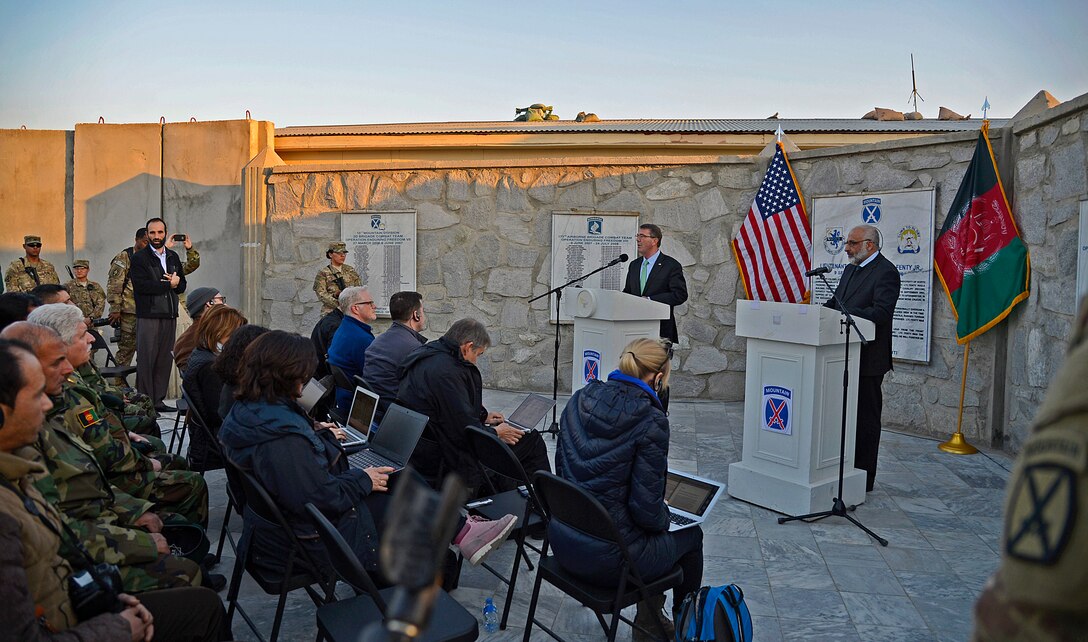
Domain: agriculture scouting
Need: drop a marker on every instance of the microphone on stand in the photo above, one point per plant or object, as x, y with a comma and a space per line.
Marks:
820, 270
622, 258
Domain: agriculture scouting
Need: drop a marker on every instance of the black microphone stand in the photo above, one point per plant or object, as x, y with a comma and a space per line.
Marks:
838, 506
558, 292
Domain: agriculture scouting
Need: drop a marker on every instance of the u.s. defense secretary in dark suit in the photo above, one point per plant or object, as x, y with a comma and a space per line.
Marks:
869, 288
662, 280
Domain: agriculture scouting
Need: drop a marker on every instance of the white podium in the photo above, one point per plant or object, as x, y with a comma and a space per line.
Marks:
793, 408
605, 321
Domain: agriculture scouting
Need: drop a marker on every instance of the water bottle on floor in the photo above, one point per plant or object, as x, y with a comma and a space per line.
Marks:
491, 616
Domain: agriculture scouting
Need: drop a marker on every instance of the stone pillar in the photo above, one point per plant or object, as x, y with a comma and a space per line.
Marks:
254, 215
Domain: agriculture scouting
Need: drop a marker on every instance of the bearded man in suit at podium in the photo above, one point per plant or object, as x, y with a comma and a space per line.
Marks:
657, 277
869, 288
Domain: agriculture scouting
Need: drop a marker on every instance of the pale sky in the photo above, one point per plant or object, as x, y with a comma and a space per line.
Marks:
329, 62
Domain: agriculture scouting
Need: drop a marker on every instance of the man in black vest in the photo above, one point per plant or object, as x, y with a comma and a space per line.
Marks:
157, 280
869, 289
657, 277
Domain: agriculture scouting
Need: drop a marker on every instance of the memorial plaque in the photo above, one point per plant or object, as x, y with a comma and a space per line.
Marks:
382, 248
583, 242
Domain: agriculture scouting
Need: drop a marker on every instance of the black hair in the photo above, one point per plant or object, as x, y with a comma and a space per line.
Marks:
11, 370
154, 219
403, 304
142, 232
15, 306
48, 291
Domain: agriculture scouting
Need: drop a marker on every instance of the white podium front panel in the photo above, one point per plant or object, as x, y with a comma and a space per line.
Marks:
605, 321
793, 408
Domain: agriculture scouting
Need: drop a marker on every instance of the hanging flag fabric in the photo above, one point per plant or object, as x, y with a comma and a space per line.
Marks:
980, 258
774, 243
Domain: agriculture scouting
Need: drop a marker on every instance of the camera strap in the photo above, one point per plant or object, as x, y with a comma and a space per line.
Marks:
72, 539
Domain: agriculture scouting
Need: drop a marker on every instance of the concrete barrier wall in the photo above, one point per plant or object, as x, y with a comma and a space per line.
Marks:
34, 173
86, 192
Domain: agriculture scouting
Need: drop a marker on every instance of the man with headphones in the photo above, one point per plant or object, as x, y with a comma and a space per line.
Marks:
387, 352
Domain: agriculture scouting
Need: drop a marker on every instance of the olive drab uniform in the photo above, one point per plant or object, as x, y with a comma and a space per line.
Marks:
102, 516
135, 409
330, 281
120, 295
181, 492
1040, 591
89, 296
24, 276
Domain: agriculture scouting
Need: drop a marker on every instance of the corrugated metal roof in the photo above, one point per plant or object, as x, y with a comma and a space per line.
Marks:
647, 126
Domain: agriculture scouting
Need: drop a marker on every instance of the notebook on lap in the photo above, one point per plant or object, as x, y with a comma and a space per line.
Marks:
690, 498
394, 440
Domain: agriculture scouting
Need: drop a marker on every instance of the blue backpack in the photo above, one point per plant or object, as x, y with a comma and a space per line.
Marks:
714, 613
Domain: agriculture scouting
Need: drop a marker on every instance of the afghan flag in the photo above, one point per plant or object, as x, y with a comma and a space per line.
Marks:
980, 258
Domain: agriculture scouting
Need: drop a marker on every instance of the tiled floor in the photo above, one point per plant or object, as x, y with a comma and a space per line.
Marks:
821, 581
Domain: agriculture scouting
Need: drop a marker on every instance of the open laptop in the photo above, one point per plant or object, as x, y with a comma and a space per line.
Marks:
360, 417
690, 498
312, 394
394, 440
532, 409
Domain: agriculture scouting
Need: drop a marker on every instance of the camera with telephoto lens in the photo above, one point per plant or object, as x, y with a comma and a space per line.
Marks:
94, 592
98, 323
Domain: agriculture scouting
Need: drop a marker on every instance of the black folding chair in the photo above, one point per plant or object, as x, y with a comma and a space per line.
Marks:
342, 621
110, 372
198, 422
492, 454
340, 379
274, 574
568, 504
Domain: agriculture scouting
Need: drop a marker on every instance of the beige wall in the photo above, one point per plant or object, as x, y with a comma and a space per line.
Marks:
33, 174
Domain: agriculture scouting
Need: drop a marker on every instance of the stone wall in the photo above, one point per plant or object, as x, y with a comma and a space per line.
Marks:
1051, 178
484, 233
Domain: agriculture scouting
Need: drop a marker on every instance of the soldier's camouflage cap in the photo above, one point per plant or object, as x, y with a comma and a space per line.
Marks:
30, 238
83, 263
337, 247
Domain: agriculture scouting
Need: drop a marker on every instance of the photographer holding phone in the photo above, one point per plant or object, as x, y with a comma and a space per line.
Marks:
157, 279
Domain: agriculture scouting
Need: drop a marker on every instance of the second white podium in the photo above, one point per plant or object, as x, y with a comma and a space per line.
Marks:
793, 408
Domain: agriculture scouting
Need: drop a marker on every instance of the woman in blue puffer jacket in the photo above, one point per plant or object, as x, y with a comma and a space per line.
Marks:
615, 444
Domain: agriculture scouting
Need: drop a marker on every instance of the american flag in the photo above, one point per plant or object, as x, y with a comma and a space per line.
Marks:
774, 242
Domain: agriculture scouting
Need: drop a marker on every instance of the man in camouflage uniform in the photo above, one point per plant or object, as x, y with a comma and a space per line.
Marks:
135, 410
115, 527
88, 295
177, 491
26, 273
120, 294
334, 278
1040, 591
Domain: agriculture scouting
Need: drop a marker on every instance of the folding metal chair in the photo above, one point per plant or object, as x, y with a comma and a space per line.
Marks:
566, 503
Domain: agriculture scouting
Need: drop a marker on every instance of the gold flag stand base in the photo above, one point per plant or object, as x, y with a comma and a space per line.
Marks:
957, 445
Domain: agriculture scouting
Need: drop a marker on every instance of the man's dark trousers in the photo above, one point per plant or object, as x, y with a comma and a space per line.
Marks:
867, 439
154, 341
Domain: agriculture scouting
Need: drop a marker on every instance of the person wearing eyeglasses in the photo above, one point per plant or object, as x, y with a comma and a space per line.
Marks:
657, 276
614, 444
348, 348
335, 277
28, 272
869, 289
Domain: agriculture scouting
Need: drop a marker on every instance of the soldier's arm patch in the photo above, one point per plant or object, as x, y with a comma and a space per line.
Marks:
1043, 504
88, 418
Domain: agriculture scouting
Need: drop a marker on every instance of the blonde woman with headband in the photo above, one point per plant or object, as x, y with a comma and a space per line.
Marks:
614, 443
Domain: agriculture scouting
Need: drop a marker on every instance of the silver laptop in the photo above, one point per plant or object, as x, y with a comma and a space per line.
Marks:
360, 417
312, 394
532, 409
394, 441
690, 498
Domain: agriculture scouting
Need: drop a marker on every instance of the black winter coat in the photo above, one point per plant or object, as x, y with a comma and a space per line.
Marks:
204, 389
438, 382
155, 299
614, 443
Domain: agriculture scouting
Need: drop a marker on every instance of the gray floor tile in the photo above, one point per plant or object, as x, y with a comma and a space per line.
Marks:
881, 610
808, 604
858, 579
839, 631
871, 633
